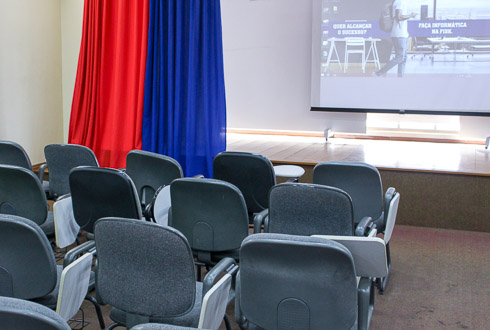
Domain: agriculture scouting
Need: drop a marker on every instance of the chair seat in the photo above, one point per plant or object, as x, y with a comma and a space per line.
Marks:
190, 319
48, 225
51, 298
380, 223
45, 185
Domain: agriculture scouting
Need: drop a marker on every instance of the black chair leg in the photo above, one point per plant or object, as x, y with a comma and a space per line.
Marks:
97, 310
227, 322
381, 282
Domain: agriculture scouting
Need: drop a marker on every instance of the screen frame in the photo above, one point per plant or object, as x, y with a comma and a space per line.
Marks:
413, 112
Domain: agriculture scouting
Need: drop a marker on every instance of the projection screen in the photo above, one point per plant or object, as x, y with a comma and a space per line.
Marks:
446, 47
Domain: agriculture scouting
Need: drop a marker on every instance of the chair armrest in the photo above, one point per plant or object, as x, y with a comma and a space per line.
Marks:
198, 176
226, 265
364, 226
259, 220
390, 193
74, 253
148, 212
63, 197
40, 174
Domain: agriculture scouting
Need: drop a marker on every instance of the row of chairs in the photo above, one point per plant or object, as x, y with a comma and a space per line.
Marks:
196, 199
285, 281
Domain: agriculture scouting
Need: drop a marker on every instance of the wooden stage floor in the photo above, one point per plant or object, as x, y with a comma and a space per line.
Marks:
450, 158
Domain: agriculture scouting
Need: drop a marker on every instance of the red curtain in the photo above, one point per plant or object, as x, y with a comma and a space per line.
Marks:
107, 108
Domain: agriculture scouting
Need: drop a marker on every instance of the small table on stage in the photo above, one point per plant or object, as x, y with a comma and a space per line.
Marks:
292, 172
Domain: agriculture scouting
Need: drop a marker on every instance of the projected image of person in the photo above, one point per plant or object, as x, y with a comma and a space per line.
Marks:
399, 36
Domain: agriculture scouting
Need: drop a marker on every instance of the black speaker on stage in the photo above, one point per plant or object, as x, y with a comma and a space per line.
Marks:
424, 12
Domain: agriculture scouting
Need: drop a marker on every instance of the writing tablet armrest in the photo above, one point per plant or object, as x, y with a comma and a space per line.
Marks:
74, 253
226, 265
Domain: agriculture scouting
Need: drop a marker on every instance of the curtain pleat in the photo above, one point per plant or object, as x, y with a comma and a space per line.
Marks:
107, 106
184, 106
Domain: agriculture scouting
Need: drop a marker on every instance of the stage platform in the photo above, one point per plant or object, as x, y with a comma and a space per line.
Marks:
467, 159
442, 185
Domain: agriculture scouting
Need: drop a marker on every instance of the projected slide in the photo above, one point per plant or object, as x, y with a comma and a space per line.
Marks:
424, 42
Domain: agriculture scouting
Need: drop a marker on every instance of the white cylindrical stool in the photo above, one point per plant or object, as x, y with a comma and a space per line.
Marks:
292, 172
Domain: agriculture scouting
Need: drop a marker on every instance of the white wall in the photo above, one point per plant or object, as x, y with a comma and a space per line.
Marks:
30, 74
71, 36
267, 58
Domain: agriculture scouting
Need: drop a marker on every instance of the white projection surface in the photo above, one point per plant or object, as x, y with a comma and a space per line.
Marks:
447, 67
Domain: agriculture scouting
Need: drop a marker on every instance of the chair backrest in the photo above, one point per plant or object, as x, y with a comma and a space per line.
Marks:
354, 42
73, 286
21, 194
211, 213
149, 171
12, 153
61, 159
144, 268
23, 314
361, 181
102, 192
26, 259
253, 174
296, 282
309, 209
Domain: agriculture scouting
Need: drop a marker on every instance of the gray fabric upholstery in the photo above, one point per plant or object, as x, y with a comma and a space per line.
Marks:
149, 171
296, 282
50, 300
190, 319
61, 159
21, 194
210, 213
144, 268
361, 181
26, 253
102, 192
12, 153
22, 314
252, 173
308, 209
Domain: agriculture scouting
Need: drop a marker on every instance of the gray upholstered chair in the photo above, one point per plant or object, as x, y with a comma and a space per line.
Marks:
28, 269
98, 192
21, 194
12, 153
61, 159
363, 183
151, 277
22, 314
299, 282
149, 171
211, 214
309, 209
252, 173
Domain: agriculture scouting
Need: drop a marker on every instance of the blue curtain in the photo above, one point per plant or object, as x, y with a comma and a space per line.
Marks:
184, 109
